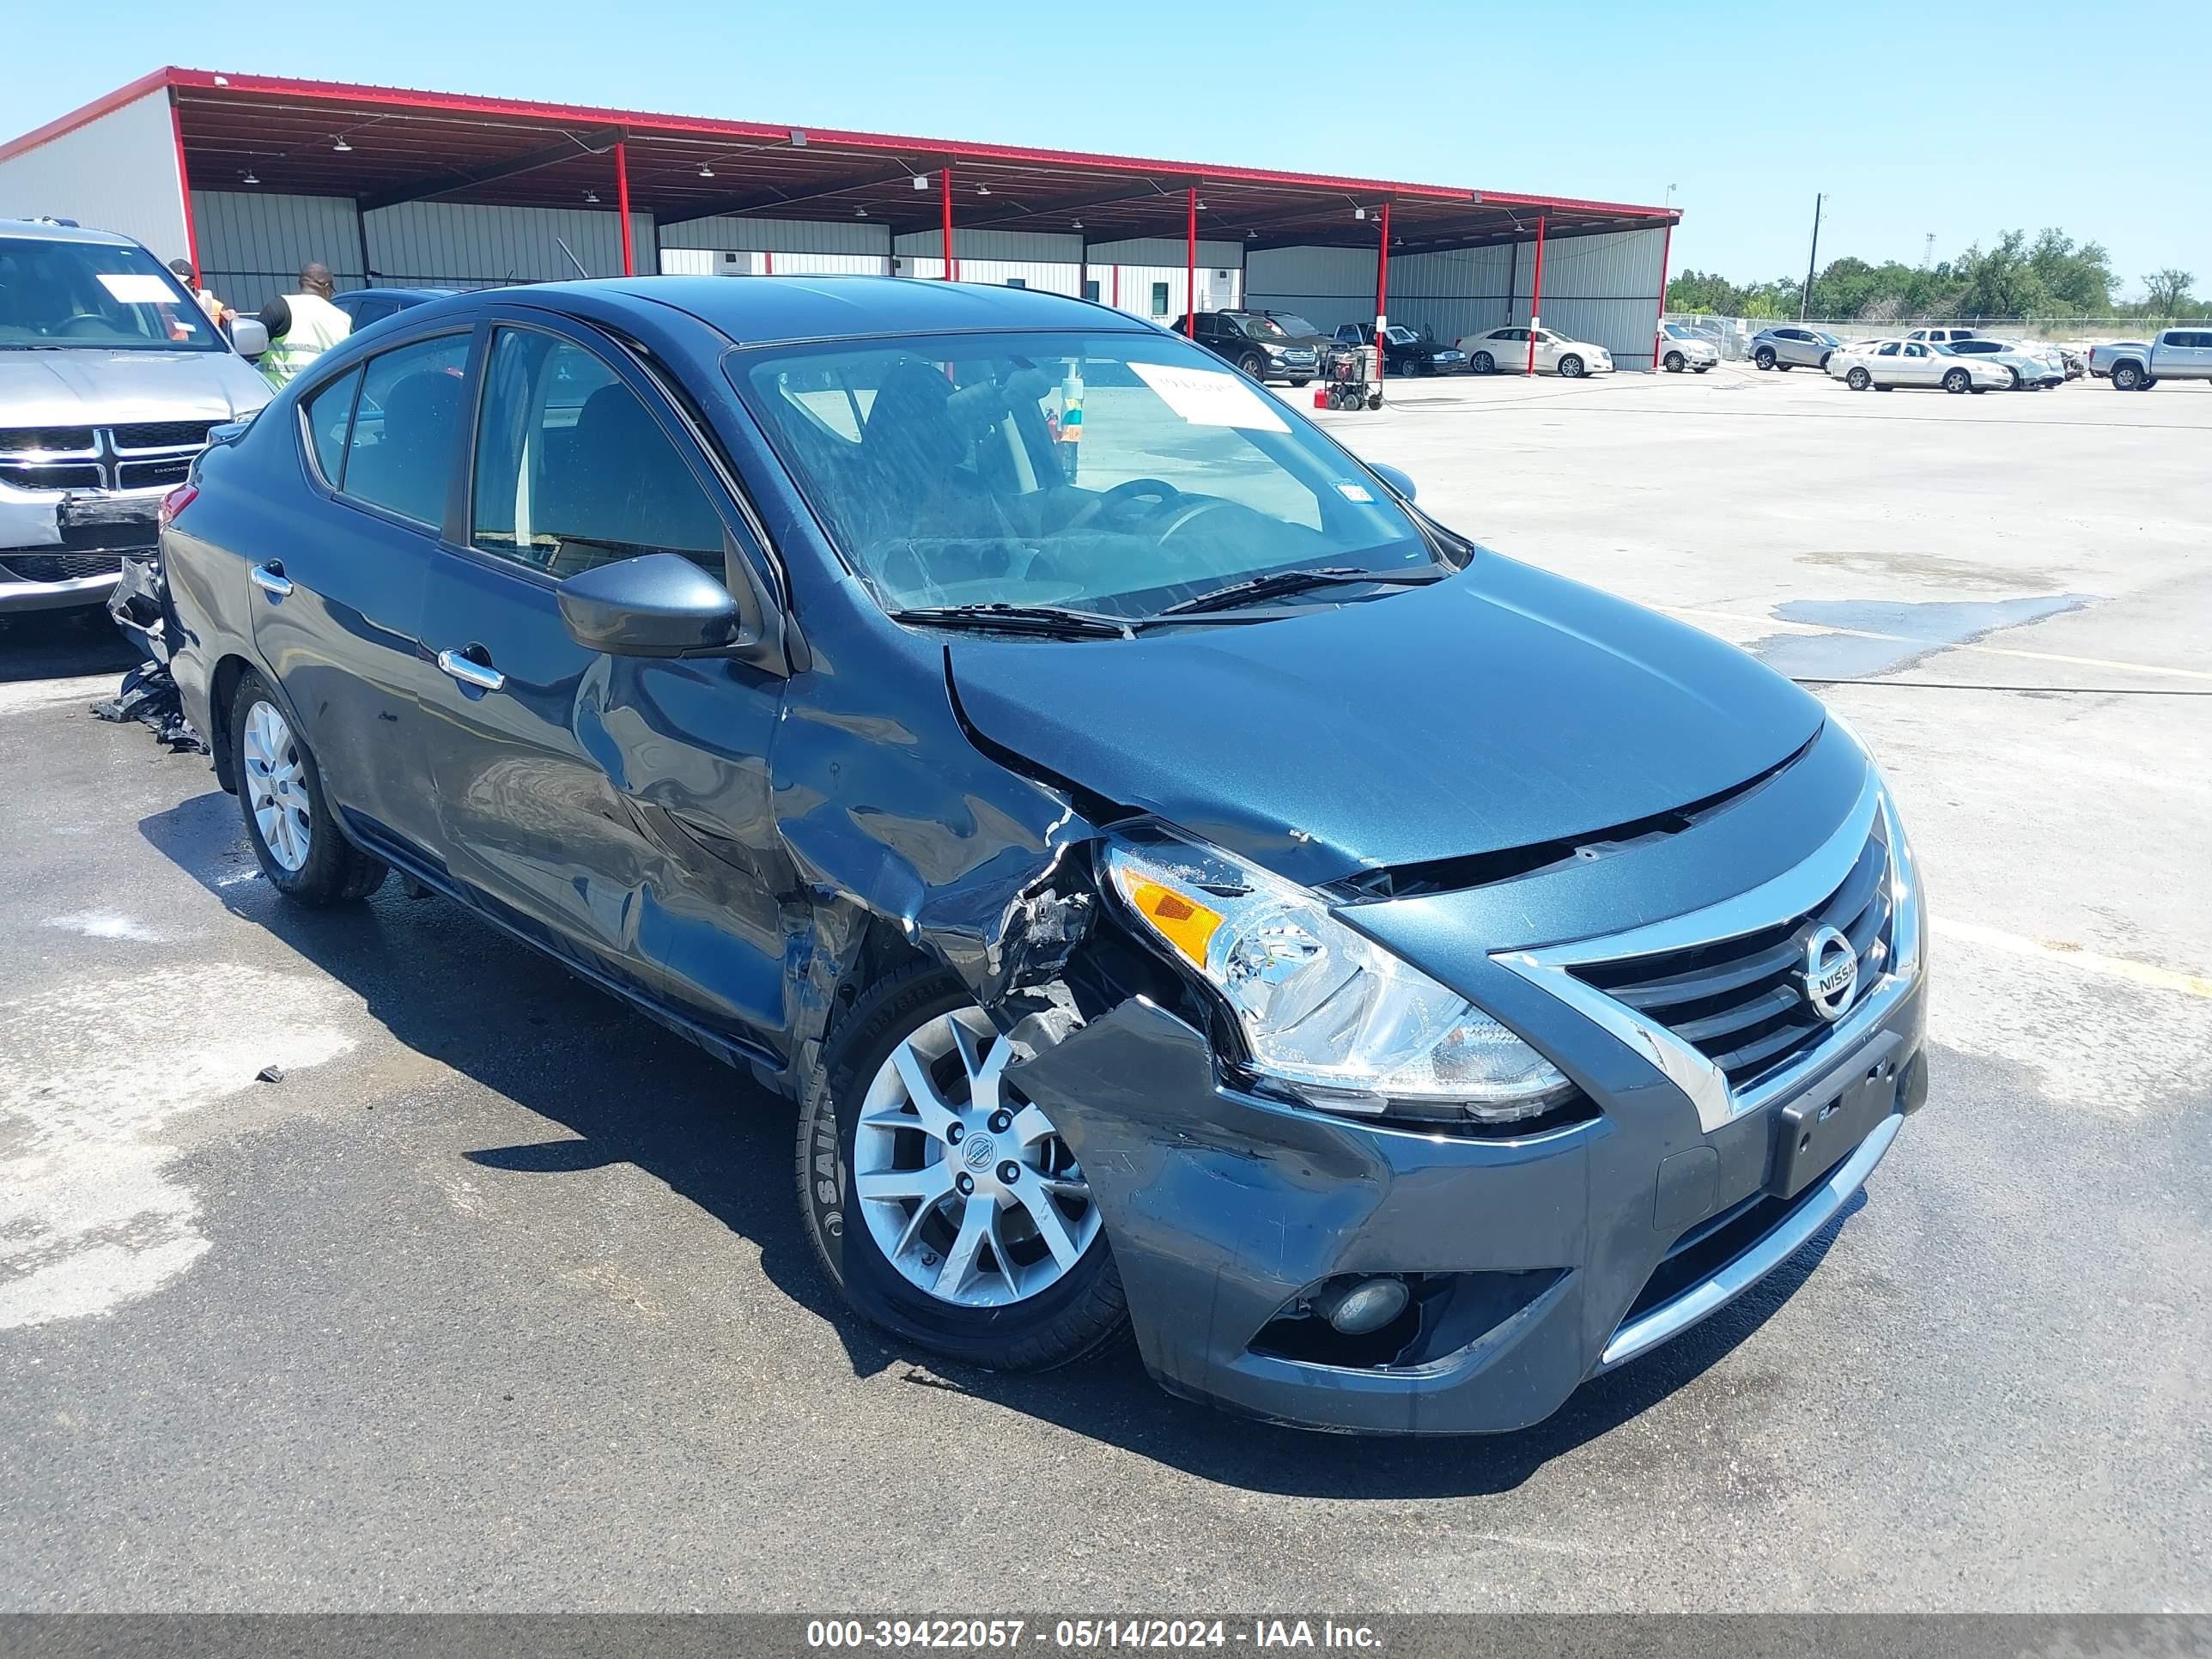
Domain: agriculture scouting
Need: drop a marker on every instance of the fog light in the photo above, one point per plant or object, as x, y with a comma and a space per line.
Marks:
1367, 1305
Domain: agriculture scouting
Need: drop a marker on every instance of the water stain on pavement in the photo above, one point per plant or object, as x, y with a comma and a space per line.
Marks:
1920, 631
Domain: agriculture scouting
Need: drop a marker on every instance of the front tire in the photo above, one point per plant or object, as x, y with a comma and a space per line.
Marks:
1484, 364
289, 820
1764, 356
1571, 367
1957, 380
1254, 365
1674, 364
1013, 1273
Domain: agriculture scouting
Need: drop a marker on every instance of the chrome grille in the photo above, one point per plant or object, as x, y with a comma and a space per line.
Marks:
59, 567
1738, 1001
147, 455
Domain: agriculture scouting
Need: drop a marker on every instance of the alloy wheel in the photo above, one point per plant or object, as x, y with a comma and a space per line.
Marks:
967, 1188
276, 786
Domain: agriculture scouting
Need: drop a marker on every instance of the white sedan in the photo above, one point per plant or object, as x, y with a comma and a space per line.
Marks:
1506, 349
1883, 364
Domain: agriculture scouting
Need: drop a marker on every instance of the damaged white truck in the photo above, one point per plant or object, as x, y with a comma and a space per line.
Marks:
1188, 891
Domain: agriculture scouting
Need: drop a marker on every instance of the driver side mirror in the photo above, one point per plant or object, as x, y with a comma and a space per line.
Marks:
658, 605
1398, 481
248, 337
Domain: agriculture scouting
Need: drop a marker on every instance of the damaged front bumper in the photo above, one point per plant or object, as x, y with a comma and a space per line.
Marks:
1537, 1262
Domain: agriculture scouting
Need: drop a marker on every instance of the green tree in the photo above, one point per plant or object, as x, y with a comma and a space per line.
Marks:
2168, 293
2077, 276
2000, 281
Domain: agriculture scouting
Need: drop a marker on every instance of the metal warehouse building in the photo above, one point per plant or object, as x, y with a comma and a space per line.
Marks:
250, 176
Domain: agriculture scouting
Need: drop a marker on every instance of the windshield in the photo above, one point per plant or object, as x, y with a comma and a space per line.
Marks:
1824, 339
1680, 331
1261, 328
1110, 472
94, 296
1292, 323
1400, 335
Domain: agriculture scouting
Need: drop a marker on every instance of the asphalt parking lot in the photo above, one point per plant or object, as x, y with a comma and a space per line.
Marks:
499, 1298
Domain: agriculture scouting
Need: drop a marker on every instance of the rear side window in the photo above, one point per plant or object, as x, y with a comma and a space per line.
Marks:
573, 471
414, 402
328, 414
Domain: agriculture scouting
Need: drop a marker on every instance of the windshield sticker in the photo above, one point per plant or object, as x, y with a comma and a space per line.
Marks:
131, 288
1352, 492
1204, 397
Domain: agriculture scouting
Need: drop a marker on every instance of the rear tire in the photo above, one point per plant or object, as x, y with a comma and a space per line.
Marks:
985, 1317
2126, 377
289, 824
1701, 368
1300, 379
1858, 379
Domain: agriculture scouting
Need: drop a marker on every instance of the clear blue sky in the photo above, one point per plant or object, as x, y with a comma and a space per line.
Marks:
1964, 119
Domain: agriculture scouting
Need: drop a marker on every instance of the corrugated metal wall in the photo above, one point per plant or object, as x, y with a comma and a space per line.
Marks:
252, 244
1132, 275
748, 234
1601, 288
460, 244
117, 173
1604, 290
1047, 261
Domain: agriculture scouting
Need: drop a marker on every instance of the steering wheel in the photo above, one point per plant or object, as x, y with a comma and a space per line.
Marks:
1196, 509
1121, 496
68, 325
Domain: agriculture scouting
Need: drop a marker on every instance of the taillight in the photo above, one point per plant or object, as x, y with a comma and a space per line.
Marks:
176, 501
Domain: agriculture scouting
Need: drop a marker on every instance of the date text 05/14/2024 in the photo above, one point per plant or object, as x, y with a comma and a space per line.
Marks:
1088, 1634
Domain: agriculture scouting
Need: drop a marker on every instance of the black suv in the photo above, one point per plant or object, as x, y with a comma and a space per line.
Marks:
1256, 344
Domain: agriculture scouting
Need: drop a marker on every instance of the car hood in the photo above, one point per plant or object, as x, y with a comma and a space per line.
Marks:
88, 387
1503, 708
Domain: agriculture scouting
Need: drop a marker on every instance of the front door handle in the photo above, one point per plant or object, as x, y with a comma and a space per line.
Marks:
270, 579
469, 671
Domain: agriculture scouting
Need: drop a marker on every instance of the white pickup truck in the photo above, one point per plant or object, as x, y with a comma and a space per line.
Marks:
2177, 354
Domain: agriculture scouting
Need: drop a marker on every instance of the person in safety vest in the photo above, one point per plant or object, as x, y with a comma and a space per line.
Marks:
218, 313
302, 326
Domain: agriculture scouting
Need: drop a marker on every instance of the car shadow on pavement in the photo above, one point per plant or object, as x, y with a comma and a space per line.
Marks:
453, 988
52, 645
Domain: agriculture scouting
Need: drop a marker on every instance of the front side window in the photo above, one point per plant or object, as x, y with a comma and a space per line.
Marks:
413, 404
573, 470
1115, 472
1916, 351
94, 296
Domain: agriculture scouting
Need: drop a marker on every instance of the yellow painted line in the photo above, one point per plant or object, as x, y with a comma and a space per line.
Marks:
2143, 973
1771, 623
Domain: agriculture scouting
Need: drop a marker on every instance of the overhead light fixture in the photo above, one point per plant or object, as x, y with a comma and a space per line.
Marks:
982, 190
1359, 213
340, 145
1077, 224
860, 213
706, 172
248, 178
1251, 235
590, 196
1201, 204
922, 181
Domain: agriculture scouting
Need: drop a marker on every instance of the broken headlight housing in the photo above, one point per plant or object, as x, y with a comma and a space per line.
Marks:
1325, 1011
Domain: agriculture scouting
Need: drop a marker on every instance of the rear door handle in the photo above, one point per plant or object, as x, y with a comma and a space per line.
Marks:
469, 671
270, 579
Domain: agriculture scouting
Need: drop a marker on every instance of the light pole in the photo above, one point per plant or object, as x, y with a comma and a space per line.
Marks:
1805, 299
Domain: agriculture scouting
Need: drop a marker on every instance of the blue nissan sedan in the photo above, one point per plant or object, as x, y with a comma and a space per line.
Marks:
1186, 891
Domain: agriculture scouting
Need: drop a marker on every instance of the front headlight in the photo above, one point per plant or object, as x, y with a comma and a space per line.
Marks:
1344, 1023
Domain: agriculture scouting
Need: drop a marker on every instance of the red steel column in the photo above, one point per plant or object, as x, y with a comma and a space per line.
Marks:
1381, 297
951, 264
621, 204
185, 194
1666, 251
1536, 295
1190, 269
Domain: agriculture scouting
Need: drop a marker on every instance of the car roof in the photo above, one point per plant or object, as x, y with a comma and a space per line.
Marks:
775, 310
415, 294
46, 230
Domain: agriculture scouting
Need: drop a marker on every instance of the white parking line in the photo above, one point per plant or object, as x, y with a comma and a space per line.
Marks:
1772, 623
2089, 961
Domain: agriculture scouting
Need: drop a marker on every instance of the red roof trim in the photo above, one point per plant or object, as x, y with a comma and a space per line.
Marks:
90, 112
643, 121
